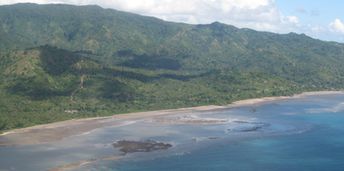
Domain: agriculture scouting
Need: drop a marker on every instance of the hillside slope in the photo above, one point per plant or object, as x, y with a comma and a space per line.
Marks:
61, 61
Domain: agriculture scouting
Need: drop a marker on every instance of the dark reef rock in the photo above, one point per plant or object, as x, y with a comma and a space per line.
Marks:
127, 146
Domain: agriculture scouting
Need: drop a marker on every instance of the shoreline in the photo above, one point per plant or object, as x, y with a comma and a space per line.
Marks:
59, 130
256, 101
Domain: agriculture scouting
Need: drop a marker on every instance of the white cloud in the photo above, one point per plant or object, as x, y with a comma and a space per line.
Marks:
293, 19
261, 15
256, 14
317, 29
337, 26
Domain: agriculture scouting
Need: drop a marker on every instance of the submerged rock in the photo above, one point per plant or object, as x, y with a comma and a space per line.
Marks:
245, 126
127, 146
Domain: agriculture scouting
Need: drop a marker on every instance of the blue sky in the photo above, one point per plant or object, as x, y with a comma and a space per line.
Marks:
320, 19
317, 14
314, 11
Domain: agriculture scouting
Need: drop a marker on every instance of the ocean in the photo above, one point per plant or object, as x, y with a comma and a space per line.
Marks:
293, 134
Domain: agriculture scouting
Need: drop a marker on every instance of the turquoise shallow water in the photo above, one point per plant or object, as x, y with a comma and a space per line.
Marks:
322, 148
302, 134
319, 145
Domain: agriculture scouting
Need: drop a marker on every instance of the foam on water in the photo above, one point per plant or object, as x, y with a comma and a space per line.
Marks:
280, 135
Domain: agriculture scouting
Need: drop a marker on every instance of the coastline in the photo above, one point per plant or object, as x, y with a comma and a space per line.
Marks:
256, 101
59, 130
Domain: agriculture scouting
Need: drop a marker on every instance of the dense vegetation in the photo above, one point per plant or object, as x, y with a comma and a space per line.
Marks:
59, 62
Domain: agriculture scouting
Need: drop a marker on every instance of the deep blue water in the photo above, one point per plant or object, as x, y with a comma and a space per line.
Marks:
318, 146
303, 134
322, 148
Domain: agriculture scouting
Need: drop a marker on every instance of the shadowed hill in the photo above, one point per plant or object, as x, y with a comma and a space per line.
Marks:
61, 61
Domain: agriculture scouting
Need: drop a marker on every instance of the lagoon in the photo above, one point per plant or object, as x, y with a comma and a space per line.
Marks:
303, 133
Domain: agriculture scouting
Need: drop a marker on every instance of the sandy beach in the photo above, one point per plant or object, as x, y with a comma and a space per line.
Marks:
59, 130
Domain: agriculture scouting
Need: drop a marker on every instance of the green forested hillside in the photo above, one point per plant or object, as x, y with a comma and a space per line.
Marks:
60, 61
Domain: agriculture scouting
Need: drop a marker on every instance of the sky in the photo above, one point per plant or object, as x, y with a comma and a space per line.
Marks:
321, 19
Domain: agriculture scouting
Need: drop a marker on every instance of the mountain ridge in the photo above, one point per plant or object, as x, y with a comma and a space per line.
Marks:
58, 58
